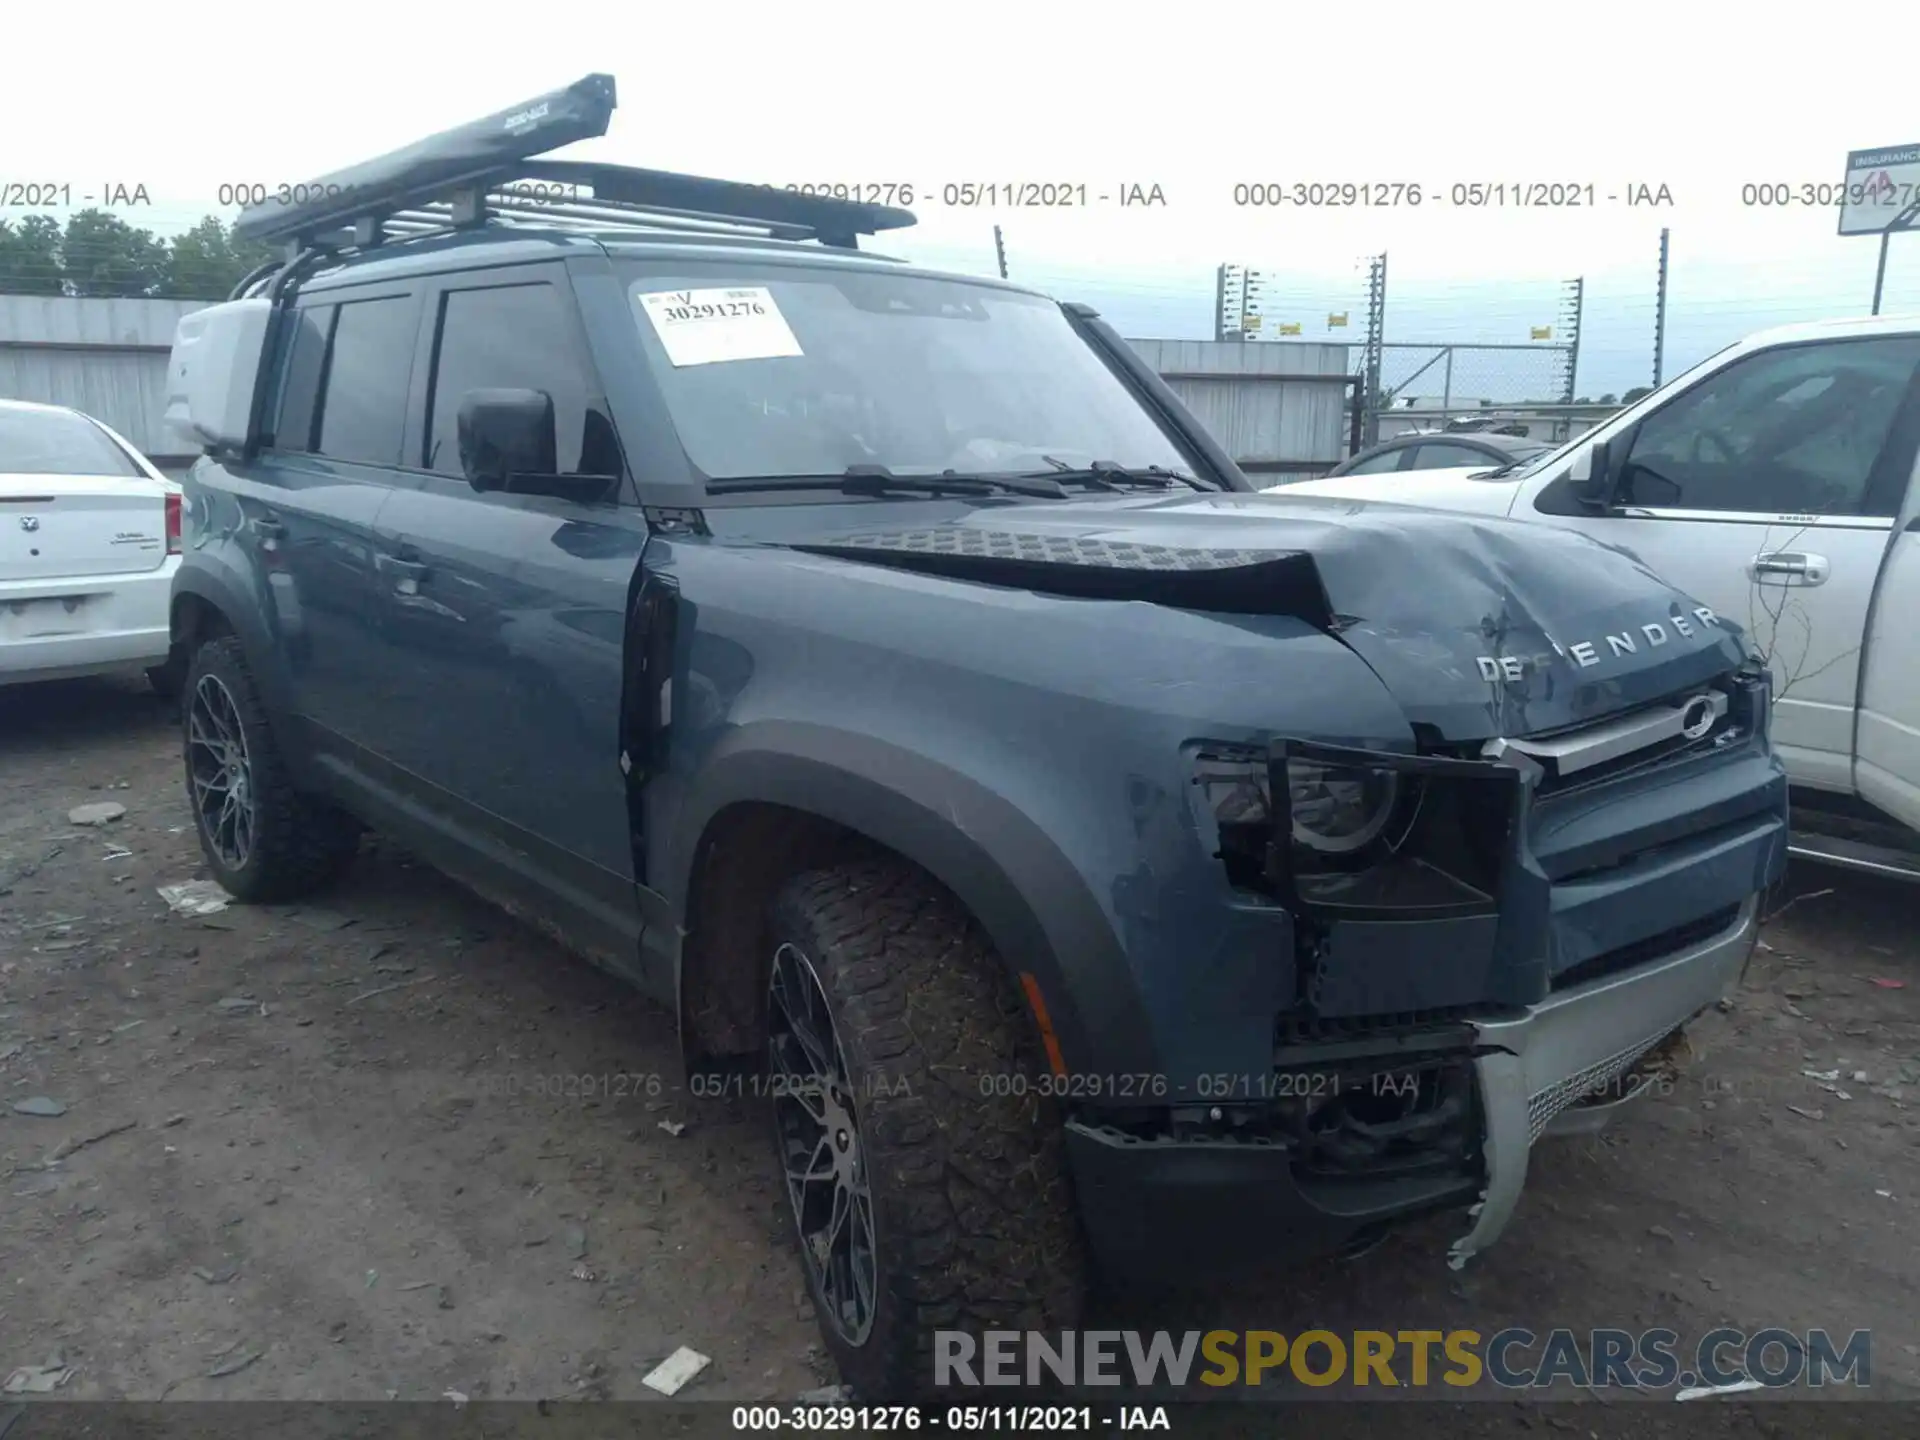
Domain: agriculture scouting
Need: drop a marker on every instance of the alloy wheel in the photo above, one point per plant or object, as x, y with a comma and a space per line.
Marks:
221, 772
820, 1145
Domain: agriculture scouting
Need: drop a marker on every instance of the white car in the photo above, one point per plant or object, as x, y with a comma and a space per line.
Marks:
1778, 482
89, 541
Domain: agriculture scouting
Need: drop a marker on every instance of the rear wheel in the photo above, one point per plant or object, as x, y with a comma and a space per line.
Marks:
925, 1196
262, 839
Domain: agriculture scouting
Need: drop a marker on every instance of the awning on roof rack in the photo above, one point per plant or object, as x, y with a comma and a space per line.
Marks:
453, 178
437, 165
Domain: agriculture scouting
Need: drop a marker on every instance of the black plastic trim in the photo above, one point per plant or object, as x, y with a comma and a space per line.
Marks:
1158, 397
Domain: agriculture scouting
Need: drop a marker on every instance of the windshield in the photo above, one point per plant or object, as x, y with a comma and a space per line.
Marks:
789, 370
58, 442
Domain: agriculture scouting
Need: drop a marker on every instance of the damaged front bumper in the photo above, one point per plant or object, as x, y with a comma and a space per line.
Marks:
1530, 937
1532, 1069
1173, 1205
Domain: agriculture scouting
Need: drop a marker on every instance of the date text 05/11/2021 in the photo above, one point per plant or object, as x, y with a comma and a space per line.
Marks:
986, 194
1459, 195
962, 1419
1265, 193
1143, 1086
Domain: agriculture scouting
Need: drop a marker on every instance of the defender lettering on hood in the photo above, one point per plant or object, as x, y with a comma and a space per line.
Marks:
1585, 653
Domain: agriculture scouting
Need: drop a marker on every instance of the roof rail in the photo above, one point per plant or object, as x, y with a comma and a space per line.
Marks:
486, 169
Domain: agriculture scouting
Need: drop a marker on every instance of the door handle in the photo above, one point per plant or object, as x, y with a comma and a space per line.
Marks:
265, 527
1789, 567
405, 571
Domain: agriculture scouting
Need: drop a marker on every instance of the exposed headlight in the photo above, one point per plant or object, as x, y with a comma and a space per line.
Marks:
1362, 831
1338, 809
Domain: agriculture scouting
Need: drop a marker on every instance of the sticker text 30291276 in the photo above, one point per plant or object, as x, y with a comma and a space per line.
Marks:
712, 326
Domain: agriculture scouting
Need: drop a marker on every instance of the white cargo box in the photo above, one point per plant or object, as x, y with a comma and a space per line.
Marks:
212, 372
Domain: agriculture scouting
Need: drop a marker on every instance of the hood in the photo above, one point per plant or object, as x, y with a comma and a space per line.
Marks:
1479, 627
1450, 489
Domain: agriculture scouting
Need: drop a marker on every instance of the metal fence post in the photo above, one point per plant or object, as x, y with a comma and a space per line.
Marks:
1376, 334
1660, 313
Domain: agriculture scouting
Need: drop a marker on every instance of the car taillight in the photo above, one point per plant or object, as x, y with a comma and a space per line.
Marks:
173, 524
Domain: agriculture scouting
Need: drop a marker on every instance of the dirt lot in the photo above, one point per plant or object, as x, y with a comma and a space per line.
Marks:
334, 1159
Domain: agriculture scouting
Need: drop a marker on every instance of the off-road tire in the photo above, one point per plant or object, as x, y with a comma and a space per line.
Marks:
299, 843
974, 1222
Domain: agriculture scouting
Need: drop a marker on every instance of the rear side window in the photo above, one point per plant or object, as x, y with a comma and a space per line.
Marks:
516, 337
1438, 457
1389, 460
306, 364
57, 442
363, 404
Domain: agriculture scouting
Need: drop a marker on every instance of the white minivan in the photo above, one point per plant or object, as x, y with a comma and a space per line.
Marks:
1775, 481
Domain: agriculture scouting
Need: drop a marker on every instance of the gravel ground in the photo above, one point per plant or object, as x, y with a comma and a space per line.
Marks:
393, 1144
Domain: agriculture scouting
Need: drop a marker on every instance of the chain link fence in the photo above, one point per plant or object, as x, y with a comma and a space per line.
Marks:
1517, 389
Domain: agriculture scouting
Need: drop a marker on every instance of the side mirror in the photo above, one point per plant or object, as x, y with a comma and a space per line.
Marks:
504, 433
1592, 476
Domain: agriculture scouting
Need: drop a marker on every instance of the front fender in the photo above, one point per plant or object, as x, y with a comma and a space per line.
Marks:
1029, 751
1026, 894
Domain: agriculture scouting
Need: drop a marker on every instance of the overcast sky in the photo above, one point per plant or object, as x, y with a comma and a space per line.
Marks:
1193, 98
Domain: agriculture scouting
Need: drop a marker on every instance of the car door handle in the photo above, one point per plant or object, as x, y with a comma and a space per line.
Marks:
1790, 567
265, 527
405, 571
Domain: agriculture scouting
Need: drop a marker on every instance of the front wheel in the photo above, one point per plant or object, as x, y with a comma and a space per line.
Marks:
924, 1197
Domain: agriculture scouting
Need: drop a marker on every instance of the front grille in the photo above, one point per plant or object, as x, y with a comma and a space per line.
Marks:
1675, 750
1729, 730
1303, 1027
1629, 957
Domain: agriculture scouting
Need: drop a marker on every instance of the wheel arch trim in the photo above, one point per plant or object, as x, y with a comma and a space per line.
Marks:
1033, 904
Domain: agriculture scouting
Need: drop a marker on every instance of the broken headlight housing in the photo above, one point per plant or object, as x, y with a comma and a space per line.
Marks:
1363, 832
1339, 809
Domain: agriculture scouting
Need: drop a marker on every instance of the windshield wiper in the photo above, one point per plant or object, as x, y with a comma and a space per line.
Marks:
1500, 472
879, 480
1105, 475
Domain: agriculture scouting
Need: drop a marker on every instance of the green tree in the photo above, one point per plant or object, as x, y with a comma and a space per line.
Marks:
206, 262
1609, 399
30, 256
101, 254
1636, 393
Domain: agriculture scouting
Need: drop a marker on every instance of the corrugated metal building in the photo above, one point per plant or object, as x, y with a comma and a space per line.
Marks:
106, 357
1279, 408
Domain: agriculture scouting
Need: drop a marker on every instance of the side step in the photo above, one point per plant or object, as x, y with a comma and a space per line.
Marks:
1855, 855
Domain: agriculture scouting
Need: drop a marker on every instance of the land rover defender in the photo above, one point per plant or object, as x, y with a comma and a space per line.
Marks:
1084, 854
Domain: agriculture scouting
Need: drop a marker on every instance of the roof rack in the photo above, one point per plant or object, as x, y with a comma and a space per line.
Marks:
486, 171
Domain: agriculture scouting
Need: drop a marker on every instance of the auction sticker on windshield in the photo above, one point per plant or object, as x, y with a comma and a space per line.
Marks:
700, 327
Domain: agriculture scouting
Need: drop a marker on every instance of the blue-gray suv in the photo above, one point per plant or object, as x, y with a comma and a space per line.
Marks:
1086, 856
